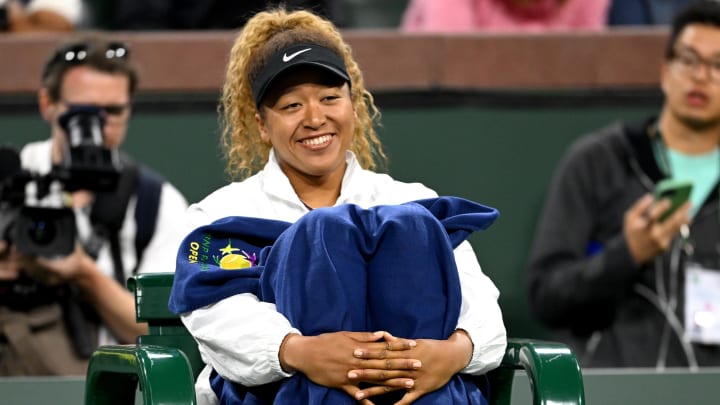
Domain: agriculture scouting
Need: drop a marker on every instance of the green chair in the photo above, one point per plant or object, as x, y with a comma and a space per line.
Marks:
164, 363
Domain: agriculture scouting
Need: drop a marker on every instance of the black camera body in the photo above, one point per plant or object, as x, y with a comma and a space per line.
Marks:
87, 164
33, 215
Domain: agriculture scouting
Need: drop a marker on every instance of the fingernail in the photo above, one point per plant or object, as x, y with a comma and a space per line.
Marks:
413, 343
358, 352
352, 374
378, 333
360, 395
417, 364
409, 384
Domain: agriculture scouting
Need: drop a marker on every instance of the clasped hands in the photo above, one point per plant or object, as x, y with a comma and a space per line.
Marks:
344, 360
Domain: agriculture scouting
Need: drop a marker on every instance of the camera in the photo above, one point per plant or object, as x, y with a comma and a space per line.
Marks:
33, 214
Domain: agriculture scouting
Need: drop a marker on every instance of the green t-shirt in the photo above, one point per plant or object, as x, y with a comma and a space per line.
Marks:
703, 170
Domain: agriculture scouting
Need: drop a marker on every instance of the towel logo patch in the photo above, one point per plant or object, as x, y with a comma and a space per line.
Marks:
226, 260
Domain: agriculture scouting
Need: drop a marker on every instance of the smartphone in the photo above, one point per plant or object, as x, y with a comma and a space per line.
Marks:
677, 191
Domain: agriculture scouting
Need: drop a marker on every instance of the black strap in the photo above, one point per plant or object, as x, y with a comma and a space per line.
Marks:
116, 254
80, 319
149, 188
108, 214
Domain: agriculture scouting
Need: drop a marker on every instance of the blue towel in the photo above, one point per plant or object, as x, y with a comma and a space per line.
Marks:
388, 268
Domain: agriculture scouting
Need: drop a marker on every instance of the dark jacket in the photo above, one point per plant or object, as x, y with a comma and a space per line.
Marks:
198, 15
581, 278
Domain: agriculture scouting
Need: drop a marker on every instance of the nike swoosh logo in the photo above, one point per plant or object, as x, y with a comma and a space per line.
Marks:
288, 58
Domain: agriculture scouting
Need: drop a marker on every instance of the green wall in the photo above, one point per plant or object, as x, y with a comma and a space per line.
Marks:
503, 157
499, 155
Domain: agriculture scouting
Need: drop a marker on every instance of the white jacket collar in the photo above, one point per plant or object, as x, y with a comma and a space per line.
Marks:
275, 182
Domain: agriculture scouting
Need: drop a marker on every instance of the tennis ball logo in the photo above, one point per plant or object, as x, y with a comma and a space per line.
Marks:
234, 262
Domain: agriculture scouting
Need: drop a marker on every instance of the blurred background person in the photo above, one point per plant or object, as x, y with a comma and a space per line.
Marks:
55, 308
198, 15
504, 15
644, 12
623, 284
40, 15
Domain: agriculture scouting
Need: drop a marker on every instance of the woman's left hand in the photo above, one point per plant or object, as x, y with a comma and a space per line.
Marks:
440, 359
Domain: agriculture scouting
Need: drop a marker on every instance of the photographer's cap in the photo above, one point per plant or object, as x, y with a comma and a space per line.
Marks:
297, 55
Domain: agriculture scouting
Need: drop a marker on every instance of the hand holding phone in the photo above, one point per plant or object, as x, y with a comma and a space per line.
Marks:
677, 191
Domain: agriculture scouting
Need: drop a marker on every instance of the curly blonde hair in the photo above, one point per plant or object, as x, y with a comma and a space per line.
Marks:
263, 35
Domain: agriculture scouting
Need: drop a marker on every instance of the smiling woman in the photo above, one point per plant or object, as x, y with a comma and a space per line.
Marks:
299, 122
308, 118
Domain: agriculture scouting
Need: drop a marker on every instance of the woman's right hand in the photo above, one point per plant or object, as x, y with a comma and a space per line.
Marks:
327, 359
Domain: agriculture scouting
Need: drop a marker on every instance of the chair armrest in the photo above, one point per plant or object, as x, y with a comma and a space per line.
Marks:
552, 369
164, 375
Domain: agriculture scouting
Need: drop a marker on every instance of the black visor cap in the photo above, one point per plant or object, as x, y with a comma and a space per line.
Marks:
297, 55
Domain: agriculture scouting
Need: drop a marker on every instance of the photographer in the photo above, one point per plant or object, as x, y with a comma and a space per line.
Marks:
55, 310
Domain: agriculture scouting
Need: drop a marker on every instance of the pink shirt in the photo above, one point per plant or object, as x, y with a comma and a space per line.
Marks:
495, 16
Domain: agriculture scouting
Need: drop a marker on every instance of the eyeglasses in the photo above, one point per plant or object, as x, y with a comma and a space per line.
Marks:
687, 61
76, 54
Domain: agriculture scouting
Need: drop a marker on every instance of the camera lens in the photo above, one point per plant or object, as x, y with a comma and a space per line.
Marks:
47, 232
41, 231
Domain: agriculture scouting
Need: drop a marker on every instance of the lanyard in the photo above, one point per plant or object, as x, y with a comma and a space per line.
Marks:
661, 155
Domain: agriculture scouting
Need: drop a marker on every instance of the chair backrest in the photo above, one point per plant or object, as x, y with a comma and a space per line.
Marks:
152, 293
552, 368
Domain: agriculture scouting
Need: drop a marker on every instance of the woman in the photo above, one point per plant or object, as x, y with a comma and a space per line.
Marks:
295, 106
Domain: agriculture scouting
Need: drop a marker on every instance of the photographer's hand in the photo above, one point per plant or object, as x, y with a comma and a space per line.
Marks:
59, 270
111, 300
9, 262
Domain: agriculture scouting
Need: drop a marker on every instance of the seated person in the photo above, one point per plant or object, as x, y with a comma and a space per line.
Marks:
41, 15
200, 15
300, 122
504, 15
644, 12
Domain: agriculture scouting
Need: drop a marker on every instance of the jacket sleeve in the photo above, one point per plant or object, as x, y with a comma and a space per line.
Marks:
568, 284
480, 314
239, 336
